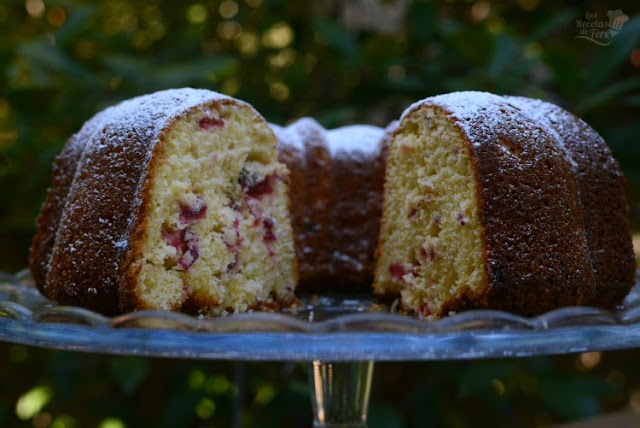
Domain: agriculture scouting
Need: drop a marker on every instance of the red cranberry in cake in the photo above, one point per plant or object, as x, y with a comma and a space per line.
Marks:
268, 224
193, 211
207, 123
257, 187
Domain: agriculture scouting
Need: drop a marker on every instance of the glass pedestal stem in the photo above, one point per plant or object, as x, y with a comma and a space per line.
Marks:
340, 393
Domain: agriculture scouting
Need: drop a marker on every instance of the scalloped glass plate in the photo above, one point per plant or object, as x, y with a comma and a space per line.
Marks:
329, 328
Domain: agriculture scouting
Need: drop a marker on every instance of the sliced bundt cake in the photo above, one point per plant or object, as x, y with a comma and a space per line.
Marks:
484, 207
174, 200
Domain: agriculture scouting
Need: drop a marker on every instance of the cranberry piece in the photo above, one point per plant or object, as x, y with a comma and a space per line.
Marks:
461, 218
397, 271
192, 212
413, 211
186, 246
268, 224
190, 255
175, 238
234, 247
256, 189
207, 123
424, 310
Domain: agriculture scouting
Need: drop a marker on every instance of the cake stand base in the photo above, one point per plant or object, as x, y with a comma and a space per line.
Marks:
340, 393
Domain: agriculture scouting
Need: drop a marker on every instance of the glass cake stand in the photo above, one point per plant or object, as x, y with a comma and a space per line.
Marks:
339, 336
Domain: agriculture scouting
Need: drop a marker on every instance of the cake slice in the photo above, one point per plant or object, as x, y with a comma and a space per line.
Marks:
173, 200
482, 209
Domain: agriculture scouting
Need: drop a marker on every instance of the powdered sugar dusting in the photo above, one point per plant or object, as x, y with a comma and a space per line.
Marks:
355, 139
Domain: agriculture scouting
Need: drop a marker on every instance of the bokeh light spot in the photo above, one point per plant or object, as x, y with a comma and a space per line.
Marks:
56, 17
267, 392
480, 10
248, 43
112, 423
396, 72
282, 59
228, 9
35, 8
590, 359
196, 379
498, 386
219, 384
196, 13
205, 408
278, 36
63, 421
229, 30
279, 91
31, 402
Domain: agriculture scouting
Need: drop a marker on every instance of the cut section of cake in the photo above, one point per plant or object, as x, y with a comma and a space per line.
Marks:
173, 200
336, 201
482, 209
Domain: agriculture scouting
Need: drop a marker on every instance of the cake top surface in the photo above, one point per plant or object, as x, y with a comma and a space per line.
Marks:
354, 138
349, 140
476, 112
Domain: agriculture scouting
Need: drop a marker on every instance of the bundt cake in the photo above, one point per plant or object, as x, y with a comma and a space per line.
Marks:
503, 203
188, 200
174, 200
336, 197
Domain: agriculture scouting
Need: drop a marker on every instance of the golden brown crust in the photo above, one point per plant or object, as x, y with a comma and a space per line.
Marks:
603, 201
62, 173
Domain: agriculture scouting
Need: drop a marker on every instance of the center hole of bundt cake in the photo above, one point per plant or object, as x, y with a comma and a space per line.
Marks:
430, 233
220, 203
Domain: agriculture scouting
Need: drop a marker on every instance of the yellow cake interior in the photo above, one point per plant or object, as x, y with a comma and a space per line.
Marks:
218, 235
431, 250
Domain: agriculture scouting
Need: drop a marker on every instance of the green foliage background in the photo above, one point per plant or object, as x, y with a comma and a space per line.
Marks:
63, 60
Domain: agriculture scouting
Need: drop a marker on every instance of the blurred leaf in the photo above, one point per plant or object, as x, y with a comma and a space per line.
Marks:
422, 20
565, 69
129, 372
384, 416
337, 37
574, 398
472, 44
608, 93
78, 18
608, 58
555, 23
504, 53
44, 60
